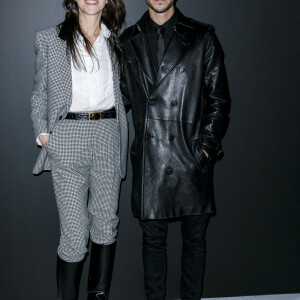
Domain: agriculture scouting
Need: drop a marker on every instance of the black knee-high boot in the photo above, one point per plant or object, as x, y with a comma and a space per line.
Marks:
100, 273
68, 279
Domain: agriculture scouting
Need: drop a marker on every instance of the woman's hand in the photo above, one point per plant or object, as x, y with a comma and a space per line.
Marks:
44, 139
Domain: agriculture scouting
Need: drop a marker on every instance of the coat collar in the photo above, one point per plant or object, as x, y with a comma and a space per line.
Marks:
176, 50
182, 23
61, 30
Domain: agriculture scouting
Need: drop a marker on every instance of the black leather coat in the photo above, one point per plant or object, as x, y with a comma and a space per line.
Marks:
177, 111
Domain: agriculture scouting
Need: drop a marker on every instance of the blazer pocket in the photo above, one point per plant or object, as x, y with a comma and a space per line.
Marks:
49, 141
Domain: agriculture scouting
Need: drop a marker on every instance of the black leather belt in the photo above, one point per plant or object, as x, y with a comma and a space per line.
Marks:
94, 115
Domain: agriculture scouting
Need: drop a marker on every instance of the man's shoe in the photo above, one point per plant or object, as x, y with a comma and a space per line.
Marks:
97, 296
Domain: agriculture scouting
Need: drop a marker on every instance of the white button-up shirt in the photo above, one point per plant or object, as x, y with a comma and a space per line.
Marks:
93, 88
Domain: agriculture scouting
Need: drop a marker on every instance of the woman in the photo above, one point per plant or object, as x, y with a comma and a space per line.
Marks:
80, 121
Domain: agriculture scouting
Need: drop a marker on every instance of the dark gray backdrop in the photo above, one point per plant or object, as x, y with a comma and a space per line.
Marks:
253, 242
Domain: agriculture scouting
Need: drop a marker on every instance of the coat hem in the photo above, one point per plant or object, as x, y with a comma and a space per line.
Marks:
174, 216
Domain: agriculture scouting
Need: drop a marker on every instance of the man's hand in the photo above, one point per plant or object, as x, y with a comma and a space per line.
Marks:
44, 139
205, 153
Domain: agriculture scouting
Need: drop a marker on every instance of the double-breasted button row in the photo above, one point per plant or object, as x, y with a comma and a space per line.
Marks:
150, 136
153, 101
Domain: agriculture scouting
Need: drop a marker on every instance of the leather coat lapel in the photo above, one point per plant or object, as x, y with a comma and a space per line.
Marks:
177, 48
139, 44
141, 50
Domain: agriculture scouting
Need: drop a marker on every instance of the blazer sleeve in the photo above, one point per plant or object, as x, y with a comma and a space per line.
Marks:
38, 98
216, 96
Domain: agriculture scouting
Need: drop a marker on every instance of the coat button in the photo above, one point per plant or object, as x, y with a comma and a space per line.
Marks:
171, 138
174, 103
182, 69
149, 136
60, 118
170, 171
152, 101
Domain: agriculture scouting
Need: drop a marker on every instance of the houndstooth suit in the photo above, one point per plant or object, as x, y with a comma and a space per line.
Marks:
87, 159
51, 97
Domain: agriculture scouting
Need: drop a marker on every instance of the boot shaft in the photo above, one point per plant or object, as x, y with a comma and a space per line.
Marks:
68, 279
101, 269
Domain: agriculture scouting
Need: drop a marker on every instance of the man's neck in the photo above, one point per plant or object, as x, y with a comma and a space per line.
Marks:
161, 18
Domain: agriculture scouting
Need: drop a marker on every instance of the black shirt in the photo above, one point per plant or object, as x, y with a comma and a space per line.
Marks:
151, 31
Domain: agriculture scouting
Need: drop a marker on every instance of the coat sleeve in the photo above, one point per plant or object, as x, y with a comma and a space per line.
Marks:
216, 96
38, 99
124, 90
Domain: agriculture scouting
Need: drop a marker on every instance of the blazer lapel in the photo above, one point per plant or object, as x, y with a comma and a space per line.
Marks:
64, 65
116, 76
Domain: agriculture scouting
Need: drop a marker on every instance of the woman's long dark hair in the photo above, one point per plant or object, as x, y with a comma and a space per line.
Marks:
113, 16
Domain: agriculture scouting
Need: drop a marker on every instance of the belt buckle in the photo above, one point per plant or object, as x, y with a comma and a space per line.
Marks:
95, 112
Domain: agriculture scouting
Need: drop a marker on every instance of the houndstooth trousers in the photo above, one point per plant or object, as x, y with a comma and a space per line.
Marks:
84, 159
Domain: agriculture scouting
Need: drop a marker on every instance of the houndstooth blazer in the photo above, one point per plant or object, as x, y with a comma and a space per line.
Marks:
51, 97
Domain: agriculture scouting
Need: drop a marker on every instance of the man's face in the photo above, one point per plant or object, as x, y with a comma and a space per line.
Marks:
160, 6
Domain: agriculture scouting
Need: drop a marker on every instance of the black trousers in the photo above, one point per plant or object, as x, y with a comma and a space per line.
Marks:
193, 229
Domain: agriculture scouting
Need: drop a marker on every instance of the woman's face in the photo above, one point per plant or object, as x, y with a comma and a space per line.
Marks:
91, 7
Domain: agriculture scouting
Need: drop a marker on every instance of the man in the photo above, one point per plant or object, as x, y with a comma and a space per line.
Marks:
175, 83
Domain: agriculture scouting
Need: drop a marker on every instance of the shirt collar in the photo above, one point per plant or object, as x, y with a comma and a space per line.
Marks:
105, 32
169, 25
